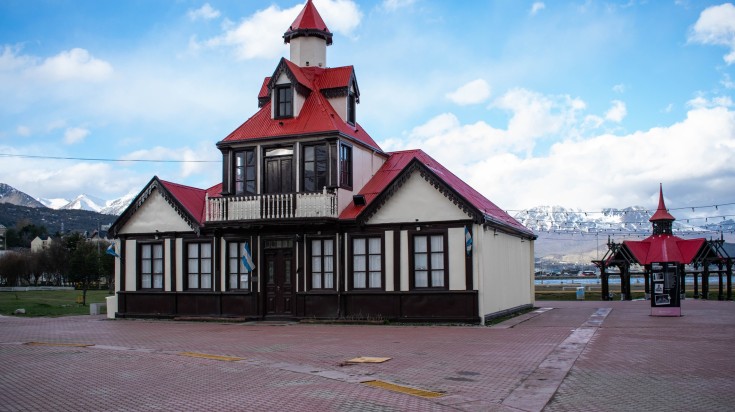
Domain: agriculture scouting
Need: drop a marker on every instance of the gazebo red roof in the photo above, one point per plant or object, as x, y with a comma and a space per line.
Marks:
664, 248
661, 212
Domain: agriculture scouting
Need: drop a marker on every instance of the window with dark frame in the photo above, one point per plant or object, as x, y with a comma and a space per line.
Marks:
316, 167
284, 101
245, 167
345, 166
367, 262
151, 266
237, 277
429, 261
351, 108
199, 265
322, 264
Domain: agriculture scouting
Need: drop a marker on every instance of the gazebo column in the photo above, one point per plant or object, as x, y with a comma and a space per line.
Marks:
695, 275
605, 290
720, 295
646, 275
683, 280
705, 281
627, 293
728, 265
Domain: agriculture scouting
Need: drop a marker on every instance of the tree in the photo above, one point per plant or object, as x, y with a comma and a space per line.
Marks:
15, 268
84, 264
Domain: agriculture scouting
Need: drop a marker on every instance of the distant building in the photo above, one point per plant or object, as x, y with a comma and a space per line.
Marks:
39, 244
3, 244
312, 219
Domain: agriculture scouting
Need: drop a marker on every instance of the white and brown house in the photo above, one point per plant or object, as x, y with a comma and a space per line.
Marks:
334, 226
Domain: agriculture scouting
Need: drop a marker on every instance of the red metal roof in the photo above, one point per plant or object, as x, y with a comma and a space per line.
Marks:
661, 212
264, 88
398, 161
309, 19
316, 116
664, 248
191, 198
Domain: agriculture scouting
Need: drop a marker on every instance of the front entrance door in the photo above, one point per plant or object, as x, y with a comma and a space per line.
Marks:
279, 174
279, 281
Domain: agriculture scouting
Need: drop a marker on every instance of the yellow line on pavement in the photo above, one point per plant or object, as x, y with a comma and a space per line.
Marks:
208, 356
403, 389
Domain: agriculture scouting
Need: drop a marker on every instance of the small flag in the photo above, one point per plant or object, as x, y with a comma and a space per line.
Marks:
467, 240
247, 258
111, 250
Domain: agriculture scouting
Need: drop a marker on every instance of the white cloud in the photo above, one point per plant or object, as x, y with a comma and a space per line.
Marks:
206, 12
596, 171
24, 131
74, 135
619, 88
700, 102
617, 112
727, 82
260, 35
716, 25
537, 7
74, 64
476, 91
393, 5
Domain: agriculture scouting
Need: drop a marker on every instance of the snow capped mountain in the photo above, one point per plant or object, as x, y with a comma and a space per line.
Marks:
55, 203
117, 206
559, 219
9, 194
84, 202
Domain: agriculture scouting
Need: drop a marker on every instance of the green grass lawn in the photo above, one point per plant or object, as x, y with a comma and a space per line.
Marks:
49, 302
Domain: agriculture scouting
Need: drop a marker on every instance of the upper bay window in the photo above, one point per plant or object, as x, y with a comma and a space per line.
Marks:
284, 101
316, 168
151, 266
345, 166
351, 108
244, 176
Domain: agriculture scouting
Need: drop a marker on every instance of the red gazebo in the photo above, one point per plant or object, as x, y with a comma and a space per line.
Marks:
663, 246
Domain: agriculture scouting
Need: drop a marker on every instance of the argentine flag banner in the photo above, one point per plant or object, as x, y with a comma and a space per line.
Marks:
467, 240
247, 258
111, 250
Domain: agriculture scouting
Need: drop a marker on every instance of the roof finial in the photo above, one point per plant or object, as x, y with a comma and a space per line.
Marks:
661, 212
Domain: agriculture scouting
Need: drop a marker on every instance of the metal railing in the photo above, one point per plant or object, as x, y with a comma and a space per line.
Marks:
271, 206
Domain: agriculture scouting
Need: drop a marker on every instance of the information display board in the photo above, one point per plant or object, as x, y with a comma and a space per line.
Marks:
665, 289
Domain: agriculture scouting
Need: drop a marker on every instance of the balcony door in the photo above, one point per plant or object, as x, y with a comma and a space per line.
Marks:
279, 171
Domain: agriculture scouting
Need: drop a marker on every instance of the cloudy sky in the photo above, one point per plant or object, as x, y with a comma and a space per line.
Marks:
585, 104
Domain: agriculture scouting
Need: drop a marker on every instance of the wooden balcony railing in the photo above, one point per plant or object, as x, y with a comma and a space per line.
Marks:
271, 206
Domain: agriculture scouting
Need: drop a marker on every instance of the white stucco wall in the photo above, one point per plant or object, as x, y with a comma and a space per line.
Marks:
131, 257
457, 254
506, 271
179, 264
309, 49
389, 262
417, 201
155, 215
364, 165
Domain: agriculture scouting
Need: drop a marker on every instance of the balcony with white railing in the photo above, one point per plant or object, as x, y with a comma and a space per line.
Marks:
271, 206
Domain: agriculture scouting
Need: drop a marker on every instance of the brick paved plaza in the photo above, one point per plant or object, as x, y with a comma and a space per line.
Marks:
570, 356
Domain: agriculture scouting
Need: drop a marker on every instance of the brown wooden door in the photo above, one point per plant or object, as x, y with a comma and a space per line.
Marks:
279, 282
279, 174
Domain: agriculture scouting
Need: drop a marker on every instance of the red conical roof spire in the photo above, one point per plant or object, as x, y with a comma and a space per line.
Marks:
661, 212
308, 23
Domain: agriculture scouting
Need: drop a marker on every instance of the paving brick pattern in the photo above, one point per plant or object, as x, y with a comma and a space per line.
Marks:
632, 361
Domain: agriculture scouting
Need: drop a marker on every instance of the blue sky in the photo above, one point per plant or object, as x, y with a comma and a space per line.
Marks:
585, 104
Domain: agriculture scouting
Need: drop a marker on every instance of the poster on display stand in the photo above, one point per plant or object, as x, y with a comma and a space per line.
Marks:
666, 289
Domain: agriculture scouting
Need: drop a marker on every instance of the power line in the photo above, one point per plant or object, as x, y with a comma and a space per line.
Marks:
94, 159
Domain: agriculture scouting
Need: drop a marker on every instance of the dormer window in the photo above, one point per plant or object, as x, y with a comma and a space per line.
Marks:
284, 101
351, 108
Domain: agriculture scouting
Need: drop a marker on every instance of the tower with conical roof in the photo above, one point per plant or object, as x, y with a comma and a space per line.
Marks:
662, 220
309, 37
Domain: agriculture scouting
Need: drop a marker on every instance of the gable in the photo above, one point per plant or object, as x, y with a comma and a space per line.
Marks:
155, 214
417, 200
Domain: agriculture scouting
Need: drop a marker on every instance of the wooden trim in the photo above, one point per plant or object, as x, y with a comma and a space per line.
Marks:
123, 258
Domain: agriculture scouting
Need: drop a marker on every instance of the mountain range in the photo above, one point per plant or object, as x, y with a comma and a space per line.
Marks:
115, 207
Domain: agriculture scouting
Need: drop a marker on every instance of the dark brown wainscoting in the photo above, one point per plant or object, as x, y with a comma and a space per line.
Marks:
194, 304
414, 306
